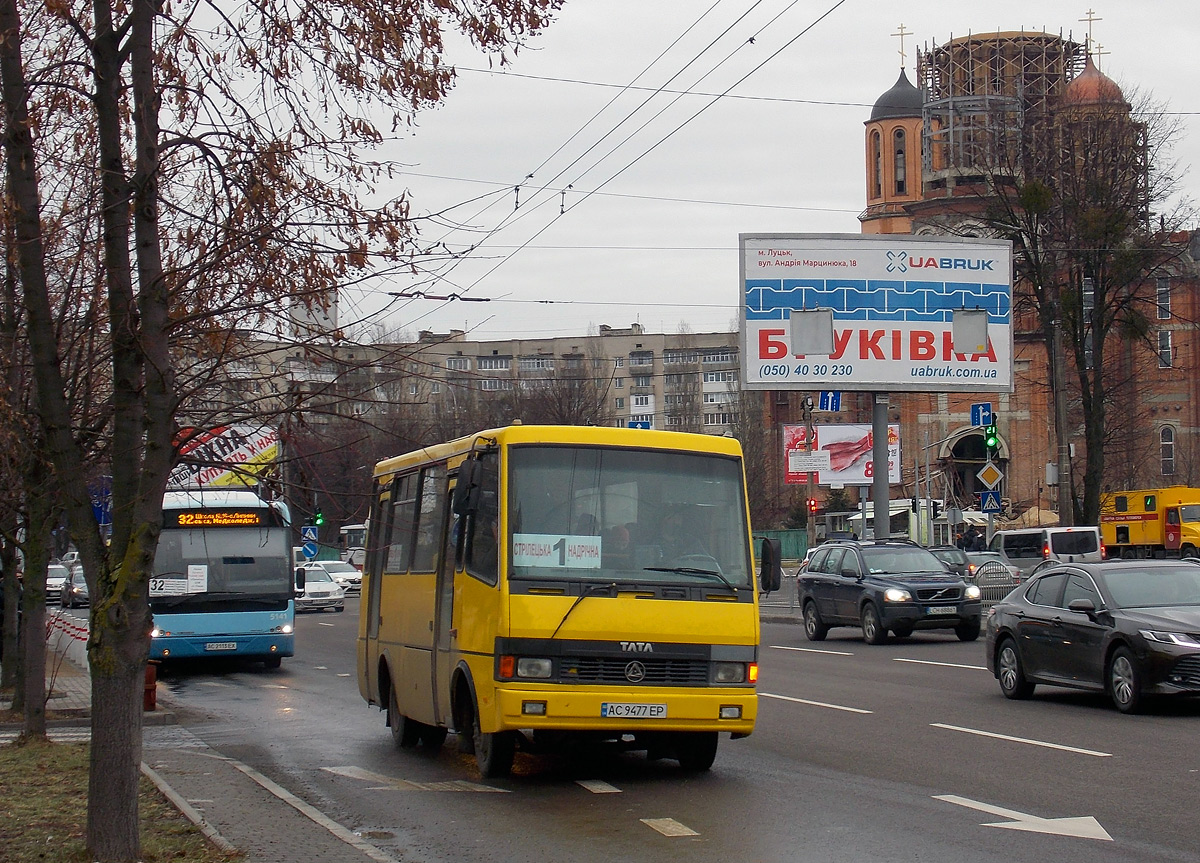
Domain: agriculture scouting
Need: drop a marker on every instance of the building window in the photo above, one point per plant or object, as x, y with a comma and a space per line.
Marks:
876, 167
675, 356
435, 388
719, 355
642, 418
719, 377
714, 398
534, 364
1164, 349
899, 165
1163, 297
619, 362
493, 384
640, 402
620, 403
642, 359
721, 419
619, 383
1089, 297
1166, 439
459, 364
495, 363
641, 380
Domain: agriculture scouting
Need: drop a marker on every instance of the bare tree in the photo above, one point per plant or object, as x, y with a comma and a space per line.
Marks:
216, 200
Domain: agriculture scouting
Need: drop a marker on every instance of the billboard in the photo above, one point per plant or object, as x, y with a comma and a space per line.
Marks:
893, 299
234, 455
846, 447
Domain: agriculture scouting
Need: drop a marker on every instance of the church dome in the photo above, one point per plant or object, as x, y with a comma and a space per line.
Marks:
903, 100
1093, 87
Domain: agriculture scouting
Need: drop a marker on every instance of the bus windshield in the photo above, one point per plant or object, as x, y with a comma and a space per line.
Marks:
194, 566
607, 514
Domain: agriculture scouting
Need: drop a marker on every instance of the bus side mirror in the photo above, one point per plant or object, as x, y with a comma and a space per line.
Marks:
770, 575
300, 580
466, 489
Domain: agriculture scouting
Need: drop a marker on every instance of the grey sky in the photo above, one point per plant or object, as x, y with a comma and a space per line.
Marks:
661, 184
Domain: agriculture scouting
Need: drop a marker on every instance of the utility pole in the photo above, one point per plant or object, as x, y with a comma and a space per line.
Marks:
811, 445
1066, 499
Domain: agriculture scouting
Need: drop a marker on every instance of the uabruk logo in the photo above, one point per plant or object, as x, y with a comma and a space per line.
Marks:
902, 262
636, 646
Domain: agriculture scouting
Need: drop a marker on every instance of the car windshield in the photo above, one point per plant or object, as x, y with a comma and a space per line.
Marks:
889, 560
316, 575
950, 555
339, 567
55, 571
1159, 587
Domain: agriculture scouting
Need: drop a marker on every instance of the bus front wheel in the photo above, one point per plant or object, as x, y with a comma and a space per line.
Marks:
696, 750
273, 662
494, 752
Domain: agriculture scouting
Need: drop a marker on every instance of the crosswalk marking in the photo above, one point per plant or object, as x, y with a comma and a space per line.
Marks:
669, 827
597, 786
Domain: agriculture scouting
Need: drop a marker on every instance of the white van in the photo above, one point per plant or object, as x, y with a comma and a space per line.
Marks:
1025, 548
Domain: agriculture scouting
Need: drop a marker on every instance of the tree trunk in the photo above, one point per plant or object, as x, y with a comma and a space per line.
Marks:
117, 683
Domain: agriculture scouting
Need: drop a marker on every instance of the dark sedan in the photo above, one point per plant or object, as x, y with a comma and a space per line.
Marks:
1127, 628
884, 585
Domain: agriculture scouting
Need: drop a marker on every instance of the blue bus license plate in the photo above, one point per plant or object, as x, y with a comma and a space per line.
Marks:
221, 645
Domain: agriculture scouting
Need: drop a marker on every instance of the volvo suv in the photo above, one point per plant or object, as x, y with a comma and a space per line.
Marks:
884, 585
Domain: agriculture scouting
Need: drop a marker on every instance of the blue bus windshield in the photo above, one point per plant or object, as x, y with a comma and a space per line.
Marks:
225, 568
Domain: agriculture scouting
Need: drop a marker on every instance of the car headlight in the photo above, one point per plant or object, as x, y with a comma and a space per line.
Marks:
1182, 639
897, 594
729, 672
972, 591
535, 667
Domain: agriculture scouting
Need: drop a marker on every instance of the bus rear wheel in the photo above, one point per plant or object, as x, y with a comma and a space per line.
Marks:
273, 662
405, 732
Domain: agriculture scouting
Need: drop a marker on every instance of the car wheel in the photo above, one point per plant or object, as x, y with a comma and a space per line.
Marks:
872, 630
1124, 681
902, 631
405, 732
814, 628
968, 630
696, 750
494, 752
1011, 675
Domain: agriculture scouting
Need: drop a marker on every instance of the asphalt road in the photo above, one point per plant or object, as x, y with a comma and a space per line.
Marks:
903, 752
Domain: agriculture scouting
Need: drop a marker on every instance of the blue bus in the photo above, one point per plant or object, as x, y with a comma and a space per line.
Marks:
223, 581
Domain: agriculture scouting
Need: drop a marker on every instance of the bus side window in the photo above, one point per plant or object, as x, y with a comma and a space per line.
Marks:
403, 512
483, 543
429, 519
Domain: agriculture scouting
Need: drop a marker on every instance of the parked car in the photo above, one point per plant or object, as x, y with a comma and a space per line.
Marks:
1126, 628
1025, 548
56, 579
884, 585
954, 558
347, 577
320, 592
74, 590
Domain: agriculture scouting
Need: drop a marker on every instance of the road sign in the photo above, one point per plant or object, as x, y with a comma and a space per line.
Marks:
308, 533
989, 501
639, 424
309, 549
989, 475
829, 401
981, 414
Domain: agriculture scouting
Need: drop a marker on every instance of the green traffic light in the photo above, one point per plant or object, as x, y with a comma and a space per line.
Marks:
990, 437
318, 518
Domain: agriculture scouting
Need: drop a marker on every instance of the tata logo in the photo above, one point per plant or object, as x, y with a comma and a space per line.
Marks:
897, 262
635, 672
636, 646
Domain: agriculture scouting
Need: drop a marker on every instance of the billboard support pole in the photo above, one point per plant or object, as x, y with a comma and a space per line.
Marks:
879, 458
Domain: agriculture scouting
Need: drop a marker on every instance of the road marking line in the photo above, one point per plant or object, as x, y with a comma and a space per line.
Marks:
814, 703
812, 650
1028, 740
389, 783
274, 686
1078, 827
343, 674
597, 786
326, 624
943, 664
669, 827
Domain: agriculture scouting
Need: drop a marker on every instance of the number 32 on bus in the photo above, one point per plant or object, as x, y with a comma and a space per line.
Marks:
531, 583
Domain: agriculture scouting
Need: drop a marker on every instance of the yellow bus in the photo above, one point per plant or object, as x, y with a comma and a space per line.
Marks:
535, 586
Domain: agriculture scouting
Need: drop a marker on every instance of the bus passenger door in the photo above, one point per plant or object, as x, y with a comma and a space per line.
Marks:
368, 653
444, 631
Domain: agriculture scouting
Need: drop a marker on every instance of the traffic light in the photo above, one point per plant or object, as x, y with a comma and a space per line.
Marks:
318, 517
991, 441
812, 506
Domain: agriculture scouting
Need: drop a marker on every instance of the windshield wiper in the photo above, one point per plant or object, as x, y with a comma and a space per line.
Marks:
590, 590
691, 570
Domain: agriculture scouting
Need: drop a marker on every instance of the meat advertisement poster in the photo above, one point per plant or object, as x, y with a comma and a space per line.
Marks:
849, 448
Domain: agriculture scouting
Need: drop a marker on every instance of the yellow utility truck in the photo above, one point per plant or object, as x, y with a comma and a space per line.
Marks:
1151, 522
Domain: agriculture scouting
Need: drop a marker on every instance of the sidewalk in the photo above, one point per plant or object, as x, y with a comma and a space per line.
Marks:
233, 804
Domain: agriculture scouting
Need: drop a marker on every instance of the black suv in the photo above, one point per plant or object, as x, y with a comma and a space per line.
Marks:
882, 585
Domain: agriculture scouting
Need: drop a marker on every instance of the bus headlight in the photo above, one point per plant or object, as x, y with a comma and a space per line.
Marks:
729, 672
536, 668
156, 632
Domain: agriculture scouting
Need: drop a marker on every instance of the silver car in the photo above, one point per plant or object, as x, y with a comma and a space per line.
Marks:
320, 592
